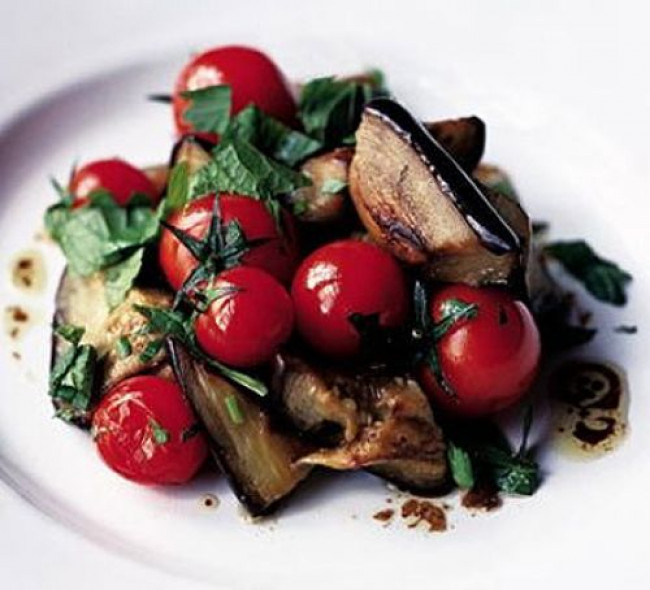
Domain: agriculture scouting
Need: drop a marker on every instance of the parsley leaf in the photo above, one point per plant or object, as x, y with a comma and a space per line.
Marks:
330, 109
271, 137
239, 167
602, 278
209, 110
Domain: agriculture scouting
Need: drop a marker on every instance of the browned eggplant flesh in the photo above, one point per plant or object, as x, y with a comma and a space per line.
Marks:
260, 461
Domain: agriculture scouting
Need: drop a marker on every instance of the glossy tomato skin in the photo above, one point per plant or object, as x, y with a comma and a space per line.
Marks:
490, 360
340, 279
116, 176
245, 327
278, 256
125, 423
251, 75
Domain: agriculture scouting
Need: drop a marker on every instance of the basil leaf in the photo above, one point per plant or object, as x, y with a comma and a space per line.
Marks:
602, 278
512, 474
121, 276
460, 464
271, 137
123, 347
209, 110
239, 167
84, 239
330, 109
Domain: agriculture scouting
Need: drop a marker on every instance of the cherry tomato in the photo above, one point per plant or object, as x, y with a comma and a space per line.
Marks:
143, 430
340, 279
278, 255
490, 360
248, 322
251, 75
116, 176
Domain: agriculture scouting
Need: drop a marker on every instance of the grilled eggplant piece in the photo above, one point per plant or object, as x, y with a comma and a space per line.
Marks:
192, 150
464, 139
418, 202
318, 202
81, 301
381, 424
259, 460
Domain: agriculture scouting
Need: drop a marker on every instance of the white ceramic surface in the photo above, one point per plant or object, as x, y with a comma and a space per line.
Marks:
66, 521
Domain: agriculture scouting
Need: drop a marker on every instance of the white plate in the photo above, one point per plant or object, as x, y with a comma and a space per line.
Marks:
582, 524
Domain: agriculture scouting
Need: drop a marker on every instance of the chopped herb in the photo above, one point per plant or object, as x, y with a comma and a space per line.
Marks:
271, 137
167, 322
72, 377
239, 167
120, 277
123, 347
461, 466
209, 109
331, 186
178, 190
70, 333
151, 350
602, 278
161, 436
330, 109
623, 329
234, 411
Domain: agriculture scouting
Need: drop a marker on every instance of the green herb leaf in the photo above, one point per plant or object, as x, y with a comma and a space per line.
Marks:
234, 411
178, 191
161, 436
239, 167
72, 377
331, 186
151, 350
512, 474
271, 137
461, 466
123, 347
209, 110
173, 323
70, 333
602, 278
330, 109
121, 276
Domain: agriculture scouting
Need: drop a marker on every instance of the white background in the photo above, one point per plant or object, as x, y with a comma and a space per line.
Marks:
590, 58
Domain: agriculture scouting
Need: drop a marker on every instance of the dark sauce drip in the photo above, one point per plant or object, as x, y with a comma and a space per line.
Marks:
490, 228
592, 391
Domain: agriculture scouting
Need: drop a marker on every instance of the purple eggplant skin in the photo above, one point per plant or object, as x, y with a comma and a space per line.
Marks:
258, 459
464, 139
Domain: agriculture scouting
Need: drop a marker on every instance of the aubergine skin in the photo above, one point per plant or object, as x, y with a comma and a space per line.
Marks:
420, 205
260, 461
464, 139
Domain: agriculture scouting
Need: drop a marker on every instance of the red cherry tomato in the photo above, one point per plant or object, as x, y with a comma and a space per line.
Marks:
143, 432
278, 255
340, 279
116, 176
251, 75
489, 360
246, 325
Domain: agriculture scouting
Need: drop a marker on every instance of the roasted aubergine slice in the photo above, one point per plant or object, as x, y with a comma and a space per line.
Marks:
81, 301
382, 424
464, 139
259, 460
418, 202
